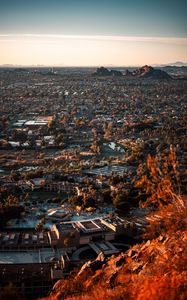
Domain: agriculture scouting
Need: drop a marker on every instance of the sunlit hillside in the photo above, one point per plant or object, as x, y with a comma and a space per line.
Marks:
153, 269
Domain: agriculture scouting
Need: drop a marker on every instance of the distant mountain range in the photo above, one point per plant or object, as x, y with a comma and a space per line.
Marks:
174, 64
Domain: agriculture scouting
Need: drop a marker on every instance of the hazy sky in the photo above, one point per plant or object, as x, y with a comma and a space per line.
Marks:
92, 32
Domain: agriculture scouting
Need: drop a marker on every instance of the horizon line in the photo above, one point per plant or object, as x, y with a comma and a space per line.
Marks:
174, 64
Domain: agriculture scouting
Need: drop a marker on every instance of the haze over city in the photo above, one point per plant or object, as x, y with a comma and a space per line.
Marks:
92, 33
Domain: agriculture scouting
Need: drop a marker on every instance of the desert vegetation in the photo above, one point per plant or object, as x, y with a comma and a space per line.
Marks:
153, 269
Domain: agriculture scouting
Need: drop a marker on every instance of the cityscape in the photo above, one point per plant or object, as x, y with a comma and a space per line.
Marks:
93, 151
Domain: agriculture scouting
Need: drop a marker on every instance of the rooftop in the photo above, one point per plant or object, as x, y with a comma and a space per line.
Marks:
88, 226
29, 256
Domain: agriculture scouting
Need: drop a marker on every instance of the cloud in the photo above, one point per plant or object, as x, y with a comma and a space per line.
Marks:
114, 38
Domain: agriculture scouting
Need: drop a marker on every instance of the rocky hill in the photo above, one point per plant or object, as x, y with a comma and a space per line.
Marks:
143, 72
149, 72
105, 72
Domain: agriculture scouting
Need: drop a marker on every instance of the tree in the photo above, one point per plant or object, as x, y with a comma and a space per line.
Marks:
51, 124
161, 181
15, 176
95, 147
76, 200
40, 226
107, 196
68, 240
108, 131
89, 202
12, 200
118, 200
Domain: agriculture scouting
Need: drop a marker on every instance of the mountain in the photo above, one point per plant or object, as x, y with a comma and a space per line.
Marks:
105, 72
149, 72
177, 64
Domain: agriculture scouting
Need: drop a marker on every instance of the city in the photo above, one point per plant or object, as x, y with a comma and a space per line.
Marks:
93, 150
69, 165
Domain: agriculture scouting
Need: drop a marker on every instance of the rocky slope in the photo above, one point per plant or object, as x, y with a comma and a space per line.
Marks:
154, 269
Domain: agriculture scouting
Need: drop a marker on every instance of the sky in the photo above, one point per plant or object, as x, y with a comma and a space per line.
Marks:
92, 32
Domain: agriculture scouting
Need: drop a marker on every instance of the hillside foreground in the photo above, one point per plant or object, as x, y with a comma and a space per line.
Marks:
151, 270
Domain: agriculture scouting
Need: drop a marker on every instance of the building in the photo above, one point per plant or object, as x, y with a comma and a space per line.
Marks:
32, 271
64, 235
60, 186
26, 239
77, 233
